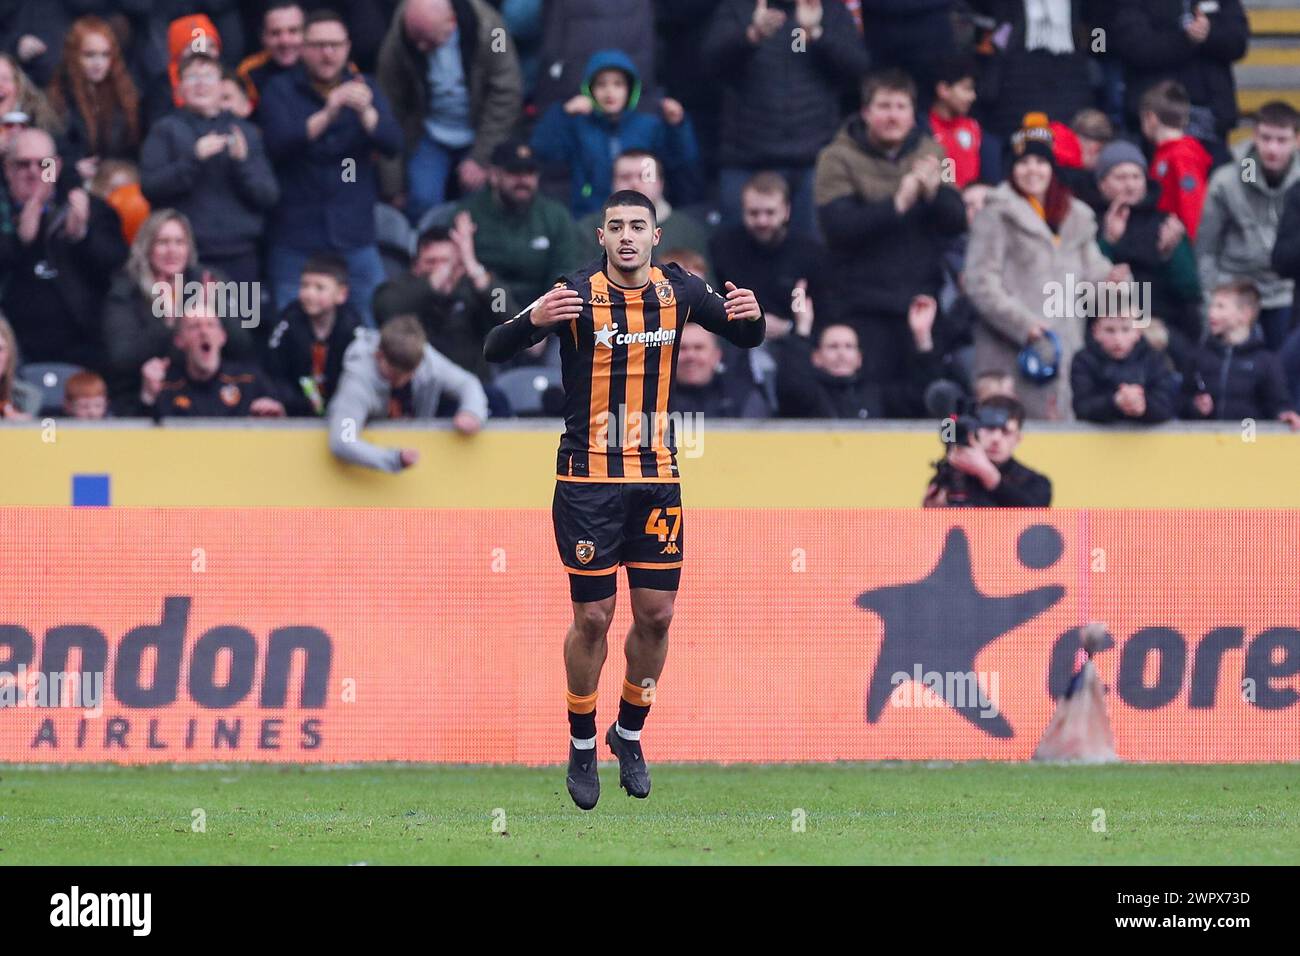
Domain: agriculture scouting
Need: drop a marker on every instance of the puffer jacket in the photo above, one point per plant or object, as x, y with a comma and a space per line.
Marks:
1095, 377
1245, 380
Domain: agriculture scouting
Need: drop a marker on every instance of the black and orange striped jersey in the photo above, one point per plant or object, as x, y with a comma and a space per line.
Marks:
619, 366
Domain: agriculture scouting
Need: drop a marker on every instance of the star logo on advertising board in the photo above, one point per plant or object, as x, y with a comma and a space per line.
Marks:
943, 622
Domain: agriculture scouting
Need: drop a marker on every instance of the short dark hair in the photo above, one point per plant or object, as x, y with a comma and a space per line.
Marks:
1277, 113
327, 264
324, 15
893, 81
431, 235
629, 197
1245, 291
1015, 411
955, 68
275, 5
1170, 102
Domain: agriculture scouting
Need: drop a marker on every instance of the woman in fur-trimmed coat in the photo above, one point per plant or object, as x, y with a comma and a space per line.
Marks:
1029, 246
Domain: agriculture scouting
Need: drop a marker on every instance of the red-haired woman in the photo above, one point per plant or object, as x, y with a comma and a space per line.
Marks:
94, 95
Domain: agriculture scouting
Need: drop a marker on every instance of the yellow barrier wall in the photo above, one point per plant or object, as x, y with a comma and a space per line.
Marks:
504, 468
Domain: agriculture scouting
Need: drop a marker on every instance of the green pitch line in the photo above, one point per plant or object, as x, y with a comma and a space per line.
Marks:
851, 813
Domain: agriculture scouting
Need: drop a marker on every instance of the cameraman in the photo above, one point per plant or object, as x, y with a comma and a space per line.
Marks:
982, 473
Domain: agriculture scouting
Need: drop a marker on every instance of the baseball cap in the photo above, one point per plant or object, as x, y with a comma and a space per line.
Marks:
515, 156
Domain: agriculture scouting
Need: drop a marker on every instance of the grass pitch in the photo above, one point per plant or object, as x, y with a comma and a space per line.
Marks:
851, 813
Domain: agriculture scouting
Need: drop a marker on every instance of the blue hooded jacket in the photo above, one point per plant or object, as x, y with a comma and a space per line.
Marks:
589, 143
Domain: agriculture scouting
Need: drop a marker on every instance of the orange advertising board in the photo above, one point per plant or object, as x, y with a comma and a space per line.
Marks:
800, 635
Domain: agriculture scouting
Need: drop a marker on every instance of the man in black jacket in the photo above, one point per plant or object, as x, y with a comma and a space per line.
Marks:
983, 474
781, 97
785, 269
887, 216
455, 297
57, 253
828, 381
200, 383
703, 389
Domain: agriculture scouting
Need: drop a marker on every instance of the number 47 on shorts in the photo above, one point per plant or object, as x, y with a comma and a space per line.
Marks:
657, 524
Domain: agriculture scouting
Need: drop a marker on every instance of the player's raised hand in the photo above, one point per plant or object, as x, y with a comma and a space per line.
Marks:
741, 303
561, 304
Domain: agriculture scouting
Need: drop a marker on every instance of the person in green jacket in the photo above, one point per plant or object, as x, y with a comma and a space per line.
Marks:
523, 238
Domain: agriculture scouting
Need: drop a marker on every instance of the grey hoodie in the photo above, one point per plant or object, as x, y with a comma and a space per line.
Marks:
362, 395
1239, 227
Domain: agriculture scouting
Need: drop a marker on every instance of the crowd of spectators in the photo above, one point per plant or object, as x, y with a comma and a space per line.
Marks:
274, 208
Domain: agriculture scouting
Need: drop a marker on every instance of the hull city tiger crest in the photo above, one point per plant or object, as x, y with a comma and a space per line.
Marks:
664, 290
230, 394
585, 551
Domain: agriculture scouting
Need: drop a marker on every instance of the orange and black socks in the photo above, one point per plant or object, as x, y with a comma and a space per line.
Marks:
632, 709
582, 719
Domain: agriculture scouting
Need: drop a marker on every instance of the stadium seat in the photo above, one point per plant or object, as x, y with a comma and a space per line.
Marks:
395, 239
526, 386
440, 215
50, 378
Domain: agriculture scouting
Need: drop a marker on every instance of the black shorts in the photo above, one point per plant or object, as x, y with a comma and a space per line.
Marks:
600, 525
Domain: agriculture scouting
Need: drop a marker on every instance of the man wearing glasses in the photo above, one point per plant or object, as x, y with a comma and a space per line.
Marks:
58, 252
323, 122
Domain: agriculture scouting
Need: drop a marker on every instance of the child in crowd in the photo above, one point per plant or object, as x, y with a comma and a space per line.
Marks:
305, 350
1120, 377
1180, 163
1233, 376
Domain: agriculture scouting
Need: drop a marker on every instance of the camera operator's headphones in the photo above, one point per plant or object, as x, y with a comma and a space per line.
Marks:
1034, 365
